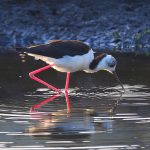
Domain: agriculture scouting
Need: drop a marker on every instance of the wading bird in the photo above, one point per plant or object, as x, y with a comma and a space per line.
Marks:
69, 56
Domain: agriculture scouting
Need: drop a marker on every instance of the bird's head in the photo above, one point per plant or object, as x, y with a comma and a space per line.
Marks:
108, 63
105, 62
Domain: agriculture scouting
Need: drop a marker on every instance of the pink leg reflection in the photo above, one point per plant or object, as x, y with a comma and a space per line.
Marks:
43, 102
68, 103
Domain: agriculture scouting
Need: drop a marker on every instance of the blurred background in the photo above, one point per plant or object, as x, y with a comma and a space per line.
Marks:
116, 25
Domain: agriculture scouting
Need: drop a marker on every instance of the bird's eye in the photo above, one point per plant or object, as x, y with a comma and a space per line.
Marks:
112, 64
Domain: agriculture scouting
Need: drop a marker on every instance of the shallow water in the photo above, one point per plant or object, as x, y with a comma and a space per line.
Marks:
90, 124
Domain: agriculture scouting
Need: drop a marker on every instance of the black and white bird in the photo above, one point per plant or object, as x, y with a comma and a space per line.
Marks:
70, 56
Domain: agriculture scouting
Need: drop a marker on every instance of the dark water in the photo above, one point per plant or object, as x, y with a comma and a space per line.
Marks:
90, 124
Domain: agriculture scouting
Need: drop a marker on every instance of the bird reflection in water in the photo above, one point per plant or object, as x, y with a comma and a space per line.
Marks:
79, 123
70, 122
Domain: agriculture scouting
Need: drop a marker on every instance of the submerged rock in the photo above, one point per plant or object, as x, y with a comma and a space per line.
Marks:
117, 25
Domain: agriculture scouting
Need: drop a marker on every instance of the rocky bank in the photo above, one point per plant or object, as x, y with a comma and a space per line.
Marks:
115, 25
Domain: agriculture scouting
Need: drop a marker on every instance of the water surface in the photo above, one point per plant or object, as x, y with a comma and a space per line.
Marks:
90, 124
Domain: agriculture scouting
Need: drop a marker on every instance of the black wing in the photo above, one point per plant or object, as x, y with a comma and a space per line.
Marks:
59, 48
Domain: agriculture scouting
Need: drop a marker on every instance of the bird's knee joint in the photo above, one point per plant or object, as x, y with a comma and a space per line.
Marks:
31, 75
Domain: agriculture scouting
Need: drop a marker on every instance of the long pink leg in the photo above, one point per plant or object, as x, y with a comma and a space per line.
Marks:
66, 92
67, 82
32, 76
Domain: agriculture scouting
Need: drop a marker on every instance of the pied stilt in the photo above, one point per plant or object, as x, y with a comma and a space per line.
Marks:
69, 56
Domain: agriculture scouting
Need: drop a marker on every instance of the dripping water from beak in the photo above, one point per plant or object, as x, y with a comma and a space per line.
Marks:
117, 78
121, 92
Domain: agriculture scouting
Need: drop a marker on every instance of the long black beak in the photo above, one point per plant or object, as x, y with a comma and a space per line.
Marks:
117, 78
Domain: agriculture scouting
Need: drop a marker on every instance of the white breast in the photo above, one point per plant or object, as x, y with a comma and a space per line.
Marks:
75, 63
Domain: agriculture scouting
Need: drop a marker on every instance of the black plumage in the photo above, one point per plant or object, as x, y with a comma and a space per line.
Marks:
58, 48
97, 58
